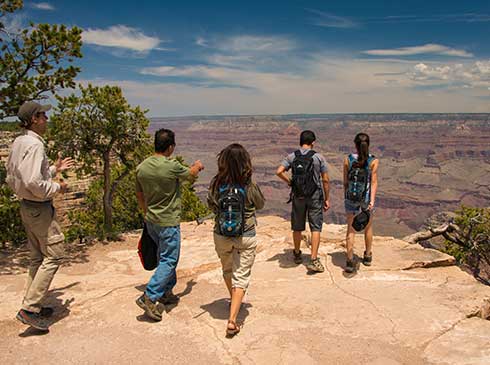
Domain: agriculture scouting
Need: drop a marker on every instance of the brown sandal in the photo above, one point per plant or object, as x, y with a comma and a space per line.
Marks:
230, 332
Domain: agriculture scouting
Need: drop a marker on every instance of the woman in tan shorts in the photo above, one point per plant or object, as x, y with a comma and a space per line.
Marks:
234, 197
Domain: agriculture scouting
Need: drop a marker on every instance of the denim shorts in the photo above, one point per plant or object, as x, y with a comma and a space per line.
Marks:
354, 207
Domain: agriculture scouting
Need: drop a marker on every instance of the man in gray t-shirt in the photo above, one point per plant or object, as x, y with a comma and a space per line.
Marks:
312, 205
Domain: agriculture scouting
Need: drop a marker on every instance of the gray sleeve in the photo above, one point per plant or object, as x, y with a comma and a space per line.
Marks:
323, 163
288, 161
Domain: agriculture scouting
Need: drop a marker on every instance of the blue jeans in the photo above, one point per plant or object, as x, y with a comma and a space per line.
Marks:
164, 278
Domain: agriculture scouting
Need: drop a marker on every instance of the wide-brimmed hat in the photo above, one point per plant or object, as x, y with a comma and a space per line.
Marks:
28, 109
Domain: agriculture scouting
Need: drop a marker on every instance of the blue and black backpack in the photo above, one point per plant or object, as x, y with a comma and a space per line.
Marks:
358, 180
231, 216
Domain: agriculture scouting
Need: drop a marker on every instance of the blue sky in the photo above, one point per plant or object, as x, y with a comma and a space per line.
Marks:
279, 57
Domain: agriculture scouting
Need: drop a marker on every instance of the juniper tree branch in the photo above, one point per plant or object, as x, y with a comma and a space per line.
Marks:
426, 235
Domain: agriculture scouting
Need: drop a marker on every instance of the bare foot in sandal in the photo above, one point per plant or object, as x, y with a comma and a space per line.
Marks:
232, 328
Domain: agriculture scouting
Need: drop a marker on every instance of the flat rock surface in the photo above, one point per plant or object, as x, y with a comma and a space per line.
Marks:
412, 306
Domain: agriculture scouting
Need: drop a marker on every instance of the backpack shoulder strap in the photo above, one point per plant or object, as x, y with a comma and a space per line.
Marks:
297, 153
310, 153
224, 188
351, 160
242, 190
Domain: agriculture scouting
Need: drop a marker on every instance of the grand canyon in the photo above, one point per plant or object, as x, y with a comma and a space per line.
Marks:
429, 163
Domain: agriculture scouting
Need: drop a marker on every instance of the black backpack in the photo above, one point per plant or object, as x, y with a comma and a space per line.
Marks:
231, 216
303, 184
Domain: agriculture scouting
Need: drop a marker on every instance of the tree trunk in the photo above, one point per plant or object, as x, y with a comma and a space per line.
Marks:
426, 235
107, 195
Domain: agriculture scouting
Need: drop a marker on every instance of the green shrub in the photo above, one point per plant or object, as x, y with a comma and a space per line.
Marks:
88, 222
10, 127
468, 239
12, 230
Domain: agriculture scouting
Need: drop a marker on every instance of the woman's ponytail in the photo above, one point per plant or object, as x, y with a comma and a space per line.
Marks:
362, 146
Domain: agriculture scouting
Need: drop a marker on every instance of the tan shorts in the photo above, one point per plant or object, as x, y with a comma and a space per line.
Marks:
237, 255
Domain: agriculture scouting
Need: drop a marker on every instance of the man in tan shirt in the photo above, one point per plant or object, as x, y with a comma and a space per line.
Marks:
30, 176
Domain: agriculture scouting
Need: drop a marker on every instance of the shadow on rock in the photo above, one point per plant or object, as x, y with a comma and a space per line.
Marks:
16, 260
285, 259
61, 309
339, 259
187, 290
140, 287
220, 309
170, 306
31, 332
145, 318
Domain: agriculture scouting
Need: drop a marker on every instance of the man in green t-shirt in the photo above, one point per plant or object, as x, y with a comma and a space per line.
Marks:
158, 181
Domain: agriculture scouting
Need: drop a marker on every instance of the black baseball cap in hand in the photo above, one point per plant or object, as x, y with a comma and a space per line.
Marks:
361, 220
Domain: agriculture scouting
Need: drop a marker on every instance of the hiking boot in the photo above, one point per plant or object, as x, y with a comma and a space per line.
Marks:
366, 260
350, 267
46, 312
298, 258
169, 298
32, 319
153, 310
315, 265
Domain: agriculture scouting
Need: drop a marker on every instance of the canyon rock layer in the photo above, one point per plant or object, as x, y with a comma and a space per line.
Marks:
428, 163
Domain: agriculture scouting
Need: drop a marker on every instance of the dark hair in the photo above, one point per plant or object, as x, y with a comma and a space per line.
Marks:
234, 167
26, 123
307, 137
164, 138
362, 146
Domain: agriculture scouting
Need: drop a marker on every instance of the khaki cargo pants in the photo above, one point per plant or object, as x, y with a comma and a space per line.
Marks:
45, 241
237, 255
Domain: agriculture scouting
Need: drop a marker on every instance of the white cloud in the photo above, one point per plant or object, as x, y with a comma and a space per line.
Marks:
354, 89
251, 44
439, 18
222, 77
224, 60
325, 85
332, 21
476, 75
195, 71
250, 51
200, 41
436, 49
43, 6
121, 36
14, 23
